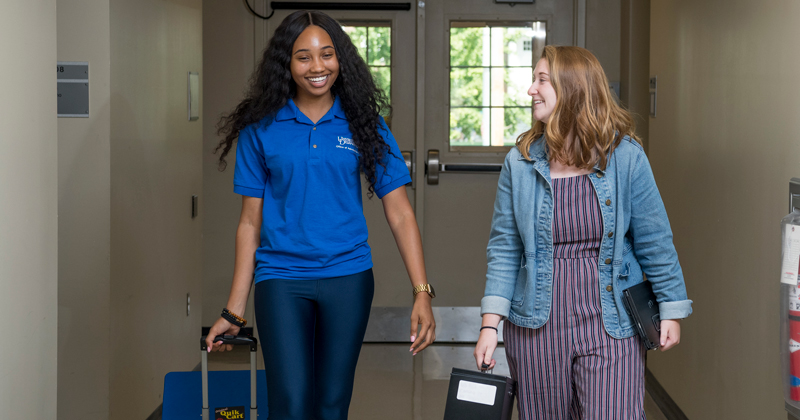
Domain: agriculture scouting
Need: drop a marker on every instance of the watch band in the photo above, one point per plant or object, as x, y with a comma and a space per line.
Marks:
424, 288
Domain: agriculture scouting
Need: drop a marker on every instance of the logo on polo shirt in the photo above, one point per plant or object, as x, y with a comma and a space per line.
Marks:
345, 143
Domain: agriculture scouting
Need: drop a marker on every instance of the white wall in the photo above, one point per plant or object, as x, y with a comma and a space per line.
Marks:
723, 148
28, 209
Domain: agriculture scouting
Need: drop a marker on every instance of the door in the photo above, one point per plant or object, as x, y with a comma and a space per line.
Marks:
457, 72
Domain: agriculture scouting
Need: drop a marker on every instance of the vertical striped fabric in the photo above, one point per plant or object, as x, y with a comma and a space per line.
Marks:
570, 368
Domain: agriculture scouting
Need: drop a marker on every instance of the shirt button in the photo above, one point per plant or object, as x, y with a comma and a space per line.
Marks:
609, 288
608, 202
608, 260
599, 174
315, 146
315, 128
610, 234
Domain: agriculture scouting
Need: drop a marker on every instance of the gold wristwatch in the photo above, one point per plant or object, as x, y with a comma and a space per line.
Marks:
425, 288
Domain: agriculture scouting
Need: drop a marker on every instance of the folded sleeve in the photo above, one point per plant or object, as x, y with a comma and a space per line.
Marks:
395, 174
250, 174
652, 243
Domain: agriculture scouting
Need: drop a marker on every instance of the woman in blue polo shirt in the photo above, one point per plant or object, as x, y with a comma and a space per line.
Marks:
308, 127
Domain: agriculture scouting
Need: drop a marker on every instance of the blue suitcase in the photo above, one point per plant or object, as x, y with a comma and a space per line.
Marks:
221, 394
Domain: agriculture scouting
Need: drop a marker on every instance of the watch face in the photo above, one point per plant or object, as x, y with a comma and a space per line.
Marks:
433, 294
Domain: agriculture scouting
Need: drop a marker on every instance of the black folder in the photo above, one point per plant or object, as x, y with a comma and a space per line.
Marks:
641, 303
479, 396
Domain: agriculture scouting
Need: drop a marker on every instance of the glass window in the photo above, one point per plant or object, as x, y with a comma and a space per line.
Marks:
374, 44
491, 69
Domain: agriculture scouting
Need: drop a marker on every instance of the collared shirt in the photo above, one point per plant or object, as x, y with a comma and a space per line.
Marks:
637, 240
313, 224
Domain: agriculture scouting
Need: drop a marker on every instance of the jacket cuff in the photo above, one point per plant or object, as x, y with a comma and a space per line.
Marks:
675, 310
495, 305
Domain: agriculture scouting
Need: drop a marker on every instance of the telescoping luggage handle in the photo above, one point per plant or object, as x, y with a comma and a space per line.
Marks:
252, 342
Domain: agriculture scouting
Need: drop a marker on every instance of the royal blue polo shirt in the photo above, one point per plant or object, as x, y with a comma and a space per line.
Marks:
313, 224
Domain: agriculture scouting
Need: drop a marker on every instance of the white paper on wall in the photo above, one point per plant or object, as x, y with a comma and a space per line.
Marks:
791, 254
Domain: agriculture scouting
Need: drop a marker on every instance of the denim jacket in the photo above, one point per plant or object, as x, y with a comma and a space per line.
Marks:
637, 240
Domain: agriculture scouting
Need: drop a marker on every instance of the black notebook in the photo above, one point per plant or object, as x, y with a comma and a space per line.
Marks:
641, 303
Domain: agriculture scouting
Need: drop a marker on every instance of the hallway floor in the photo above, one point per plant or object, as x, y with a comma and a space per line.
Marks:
392, 385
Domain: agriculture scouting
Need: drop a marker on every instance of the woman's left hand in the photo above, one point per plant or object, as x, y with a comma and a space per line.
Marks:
670, 333
422, 315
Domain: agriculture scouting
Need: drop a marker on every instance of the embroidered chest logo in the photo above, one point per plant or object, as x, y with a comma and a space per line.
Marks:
345, 143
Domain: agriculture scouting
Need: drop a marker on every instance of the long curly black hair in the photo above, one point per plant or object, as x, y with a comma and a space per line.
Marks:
271, 86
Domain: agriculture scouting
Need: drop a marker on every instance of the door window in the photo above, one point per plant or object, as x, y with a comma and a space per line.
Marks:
374, 43
491, 69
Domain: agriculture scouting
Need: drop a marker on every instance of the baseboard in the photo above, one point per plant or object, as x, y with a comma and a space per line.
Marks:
661, 397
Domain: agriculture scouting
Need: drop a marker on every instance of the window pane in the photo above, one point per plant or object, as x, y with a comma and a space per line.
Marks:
492, 70
467, 46
469, 126
383, 79
518, 46
380, 46
510, 86
467, 87
517, 121
358, 34
498, 126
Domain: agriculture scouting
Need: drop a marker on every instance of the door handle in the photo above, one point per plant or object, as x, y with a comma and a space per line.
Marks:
434, 167
408, 157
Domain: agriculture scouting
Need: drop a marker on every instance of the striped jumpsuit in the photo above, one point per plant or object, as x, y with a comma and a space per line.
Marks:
570, 368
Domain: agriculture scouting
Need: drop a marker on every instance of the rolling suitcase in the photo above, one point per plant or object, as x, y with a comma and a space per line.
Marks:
215, 395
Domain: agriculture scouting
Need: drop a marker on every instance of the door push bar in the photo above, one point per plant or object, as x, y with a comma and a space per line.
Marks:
434, 167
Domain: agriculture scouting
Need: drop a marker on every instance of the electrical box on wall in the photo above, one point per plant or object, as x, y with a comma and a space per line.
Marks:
72, 86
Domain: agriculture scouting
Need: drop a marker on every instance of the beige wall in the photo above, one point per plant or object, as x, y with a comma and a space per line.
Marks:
155, 169
229, 57
28, 209
723, 147
635, 63
603, 34
84, 199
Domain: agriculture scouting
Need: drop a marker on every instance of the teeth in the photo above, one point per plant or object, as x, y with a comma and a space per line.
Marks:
538, 102
318, 79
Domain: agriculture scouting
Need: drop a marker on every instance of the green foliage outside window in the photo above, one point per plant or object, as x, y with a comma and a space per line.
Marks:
375, 47
488, 86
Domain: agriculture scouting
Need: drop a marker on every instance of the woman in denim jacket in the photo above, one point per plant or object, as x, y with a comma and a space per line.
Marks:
577, 220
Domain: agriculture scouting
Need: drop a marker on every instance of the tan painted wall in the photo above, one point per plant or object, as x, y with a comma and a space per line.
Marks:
603, 34
28, 208
155, 169
229, 57
723, 147
635, 63
84, 199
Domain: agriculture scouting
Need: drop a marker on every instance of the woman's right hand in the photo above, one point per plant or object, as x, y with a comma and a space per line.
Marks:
221, 327
487, 343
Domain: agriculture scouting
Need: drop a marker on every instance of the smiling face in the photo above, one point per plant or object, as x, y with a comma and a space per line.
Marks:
542, 92
314, 65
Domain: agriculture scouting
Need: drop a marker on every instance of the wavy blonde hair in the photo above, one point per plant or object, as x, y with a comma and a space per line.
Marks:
584, 107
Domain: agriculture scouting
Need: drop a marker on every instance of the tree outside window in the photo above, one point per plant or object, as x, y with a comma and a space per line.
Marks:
491, 69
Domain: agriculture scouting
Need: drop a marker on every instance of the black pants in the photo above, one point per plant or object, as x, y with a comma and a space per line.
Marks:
311, 333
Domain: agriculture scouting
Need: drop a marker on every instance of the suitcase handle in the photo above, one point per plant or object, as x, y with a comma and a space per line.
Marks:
252, 342
232, 339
